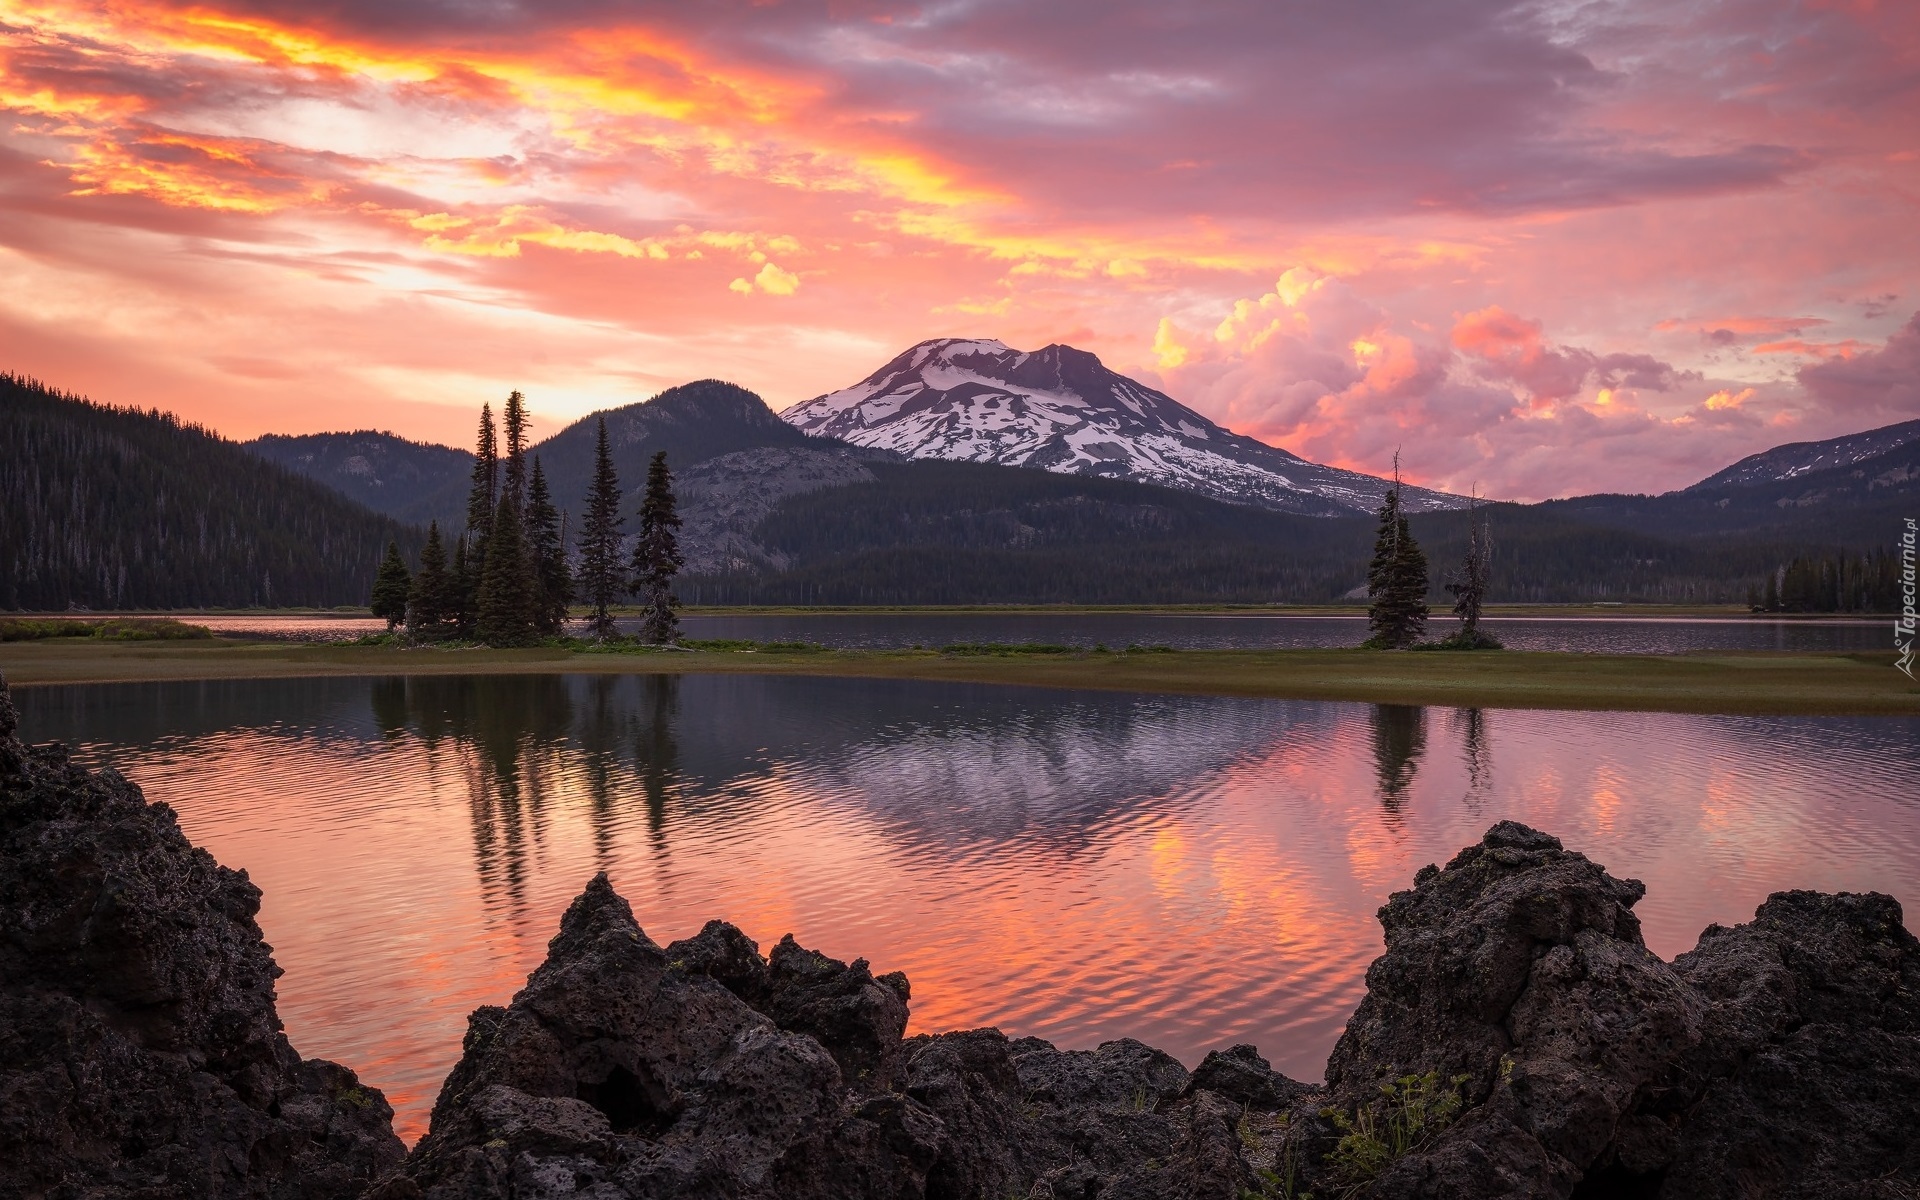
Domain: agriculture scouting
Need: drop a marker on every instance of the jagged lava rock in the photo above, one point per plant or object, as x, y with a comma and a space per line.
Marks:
140, 1053
1810, 1080
619, 1071
1780, 1059
626, 1070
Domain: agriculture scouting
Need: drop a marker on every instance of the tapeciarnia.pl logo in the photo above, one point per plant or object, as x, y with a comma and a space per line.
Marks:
1903, 629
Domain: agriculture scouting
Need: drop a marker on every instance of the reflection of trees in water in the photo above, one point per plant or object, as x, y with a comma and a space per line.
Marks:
1399, 739
519, 741
656, 751
1476, 753
509, 733
610, 721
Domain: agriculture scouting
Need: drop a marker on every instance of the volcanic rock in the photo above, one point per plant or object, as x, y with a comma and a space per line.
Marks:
140, 1053
626, 1070
1779, 1059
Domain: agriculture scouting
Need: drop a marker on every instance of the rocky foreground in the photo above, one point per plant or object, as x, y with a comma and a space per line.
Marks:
1517, 1039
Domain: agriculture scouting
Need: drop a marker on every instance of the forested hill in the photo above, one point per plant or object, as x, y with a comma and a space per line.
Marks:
112, 508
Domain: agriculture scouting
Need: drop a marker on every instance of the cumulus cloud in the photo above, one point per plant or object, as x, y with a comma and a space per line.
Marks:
1882, 383
1491, 402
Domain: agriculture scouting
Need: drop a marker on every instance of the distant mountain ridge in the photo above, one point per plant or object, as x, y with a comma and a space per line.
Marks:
1799, 458
1060, 409
381, 470
113, 508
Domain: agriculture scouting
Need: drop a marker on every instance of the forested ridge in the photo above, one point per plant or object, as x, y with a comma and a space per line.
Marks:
104, 507
929, 533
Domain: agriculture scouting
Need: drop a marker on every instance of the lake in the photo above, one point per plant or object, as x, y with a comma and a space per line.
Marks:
1619, 634
1080, 866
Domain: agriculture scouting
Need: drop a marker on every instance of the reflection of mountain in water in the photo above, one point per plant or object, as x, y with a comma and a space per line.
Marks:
938, 768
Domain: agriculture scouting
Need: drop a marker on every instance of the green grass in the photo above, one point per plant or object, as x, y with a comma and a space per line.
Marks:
111, 629
1849, 684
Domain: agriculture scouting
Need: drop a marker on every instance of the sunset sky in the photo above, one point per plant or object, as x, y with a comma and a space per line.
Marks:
1547, 248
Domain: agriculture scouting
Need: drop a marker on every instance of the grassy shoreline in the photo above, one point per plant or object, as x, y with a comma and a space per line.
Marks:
1583, 610
1742, 683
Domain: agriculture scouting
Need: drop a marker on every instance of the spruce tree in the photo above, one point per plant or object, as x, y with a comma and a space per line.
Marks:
547, 551
390, 587
514, 425
656, 557
485, 490
1396, 578
432, 605
482, 498
600, 582
506, 605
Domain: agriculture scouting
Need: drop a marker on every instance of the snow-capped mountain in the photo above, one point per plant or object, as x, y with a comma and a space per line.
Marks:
1059, 409
1798, 458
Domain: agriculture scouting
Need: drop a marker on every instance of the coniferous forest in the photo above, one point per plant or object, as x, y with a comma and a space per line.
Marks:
111, 508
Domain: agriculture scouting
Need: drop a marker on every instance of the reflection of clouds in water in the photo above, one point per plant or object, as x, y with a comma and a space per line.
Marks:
1187, 870
1056, 774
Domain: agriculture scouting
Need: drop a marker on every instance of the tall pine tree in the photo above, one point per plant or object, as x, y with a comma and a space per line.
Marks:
600, 582
482, 497
514, 425
547, 551
1396, 578
506, 605
432, 604
390, 586
656, 557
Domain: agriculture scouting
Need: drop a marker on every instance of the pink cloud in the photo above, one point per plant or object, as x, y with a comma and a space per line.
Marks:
397, 209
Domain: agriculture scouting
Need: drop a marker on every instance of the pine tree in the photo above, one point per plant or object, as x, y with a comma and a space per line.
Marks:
547, 551
1396, 578
1469, 587
514, 423
656, 557
462, 590
390, 586
482, 498
485, 491
506, 607
432, 605
600, 582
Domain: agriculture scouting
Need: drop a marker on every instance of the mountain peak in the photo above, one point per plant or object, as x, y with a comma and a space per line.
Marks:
1061, 409
1799, 458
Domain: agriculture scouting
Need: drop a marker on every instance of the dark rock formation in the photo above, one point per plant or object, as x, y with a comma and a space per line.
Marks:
626, 1070
1533, 1046
140, 1055
1779, 1059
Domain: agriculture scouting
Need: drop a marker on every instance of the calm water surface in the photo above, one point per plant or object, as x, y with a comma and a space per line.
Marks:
883, 631
1080, 866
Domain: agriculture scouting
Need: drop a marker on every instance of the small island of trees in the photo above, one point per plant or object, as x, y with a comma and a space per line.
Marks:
509, 581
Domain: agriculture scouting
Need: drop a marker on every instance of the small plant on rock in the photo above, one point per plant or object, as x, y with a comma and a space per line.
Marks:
1411, 1112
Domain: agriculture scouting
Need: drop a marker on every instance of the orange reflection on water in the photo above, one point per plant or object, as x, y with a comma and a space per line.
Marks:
1193, 872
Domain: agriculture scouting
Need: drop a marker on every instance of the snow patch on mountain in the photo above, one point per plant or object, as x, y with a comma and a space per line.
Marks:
1060, 409
1799, 458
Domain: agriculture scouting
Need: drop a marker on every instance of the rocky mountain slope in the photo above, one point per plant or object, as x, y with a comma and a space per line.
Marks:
1060, 409
1783, 463
1517, 1038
